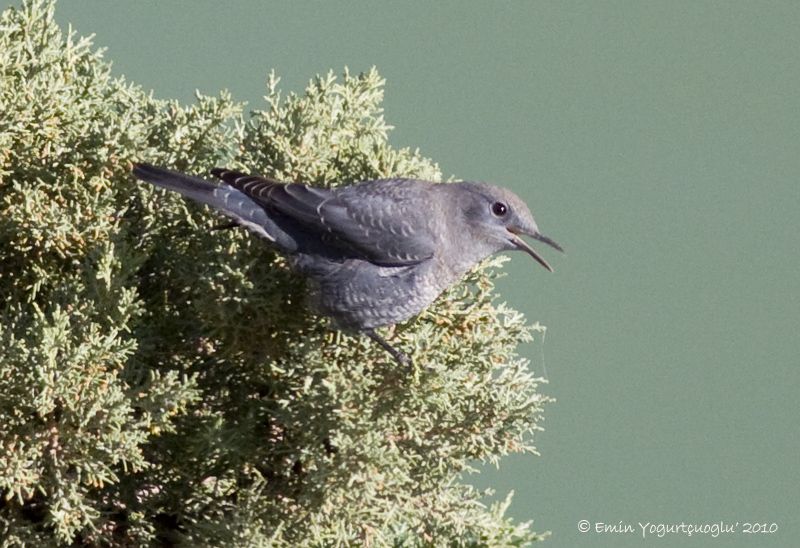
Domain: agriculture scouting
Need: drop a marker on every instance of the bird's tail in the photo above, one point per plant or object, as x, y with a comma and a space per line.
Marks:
191, 187
223, 198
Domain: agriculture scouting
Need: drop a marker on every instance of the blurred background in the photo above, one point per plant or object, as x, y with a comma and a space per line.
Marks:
659, 143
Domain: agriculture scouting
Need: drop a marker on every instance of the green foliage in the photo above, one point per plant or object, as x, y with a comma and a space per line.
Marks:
163, 383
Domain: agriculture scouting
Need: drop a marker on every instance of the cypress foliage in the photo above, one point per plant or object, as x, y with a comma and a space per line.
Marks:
164, 384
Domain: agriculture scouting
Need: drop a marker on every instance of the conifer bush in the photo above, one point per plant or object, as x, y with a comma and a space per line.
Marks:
162, 383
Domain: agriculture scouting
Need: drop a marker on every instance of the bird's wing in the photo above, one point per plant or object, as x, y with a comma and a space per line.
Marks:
294, 200
387, 219
376, 219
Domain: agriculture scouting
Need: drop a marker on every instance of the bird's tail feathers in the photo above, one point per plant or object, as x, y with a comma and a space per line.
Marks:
191, 187
223, 198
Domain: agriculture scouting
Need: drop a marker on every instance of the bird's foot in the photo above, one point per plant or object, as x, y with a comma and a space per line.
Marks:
401, 358
226, 226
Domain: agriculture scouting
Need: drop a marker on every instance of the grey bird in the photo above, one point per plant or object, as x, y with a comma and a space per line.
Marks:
379, 252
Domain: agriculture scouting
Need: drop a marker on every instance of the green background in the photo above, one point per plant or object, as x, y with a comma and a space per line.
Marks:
659, 142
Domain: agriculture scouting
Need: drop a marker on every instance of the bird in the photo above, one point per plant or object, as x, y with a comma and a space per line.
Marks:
378, 252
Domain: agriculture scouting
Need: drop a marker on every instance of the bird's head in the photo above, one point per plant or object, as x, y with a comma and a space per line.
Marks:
498, 219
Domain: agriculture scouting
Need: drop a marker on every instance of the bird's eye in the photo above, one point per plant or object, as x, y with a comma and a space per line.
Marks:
499, 209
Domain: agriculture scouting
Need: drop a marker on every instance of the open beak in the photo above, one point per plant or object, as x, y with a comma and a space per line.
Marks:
522, 245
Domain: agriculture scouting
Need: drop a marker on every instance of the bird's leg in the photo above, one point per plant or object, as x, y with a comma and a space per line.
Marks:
226, 226
401, 358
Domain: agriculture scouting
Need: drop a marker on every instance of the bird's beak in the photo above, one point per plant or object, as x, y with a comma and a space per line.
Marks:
522, 245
